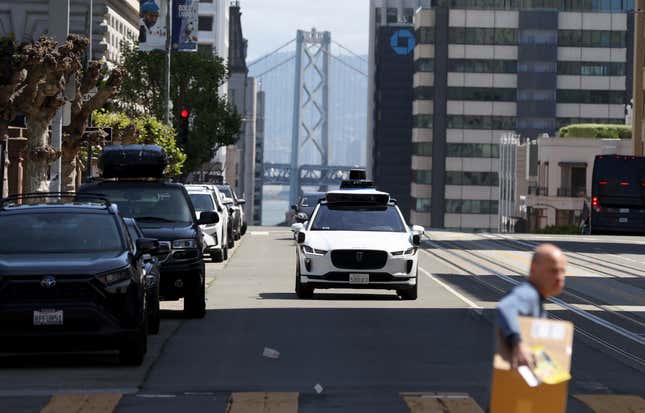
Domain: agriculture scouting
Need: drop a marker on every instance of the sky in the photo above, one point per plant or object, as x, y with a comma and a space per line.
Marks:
268, 24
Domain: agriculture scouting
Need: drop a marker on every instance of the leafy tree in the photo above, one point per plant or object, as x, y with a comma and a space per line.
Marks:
144, 130
195, 82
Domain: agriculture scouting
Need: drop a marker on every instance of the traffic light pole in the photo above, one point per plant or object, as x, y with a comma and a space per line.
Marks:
168, 53
639, 60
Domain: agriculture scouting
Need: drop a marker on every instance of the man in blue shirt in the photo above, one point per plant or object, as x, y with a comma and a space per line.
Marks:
546, 279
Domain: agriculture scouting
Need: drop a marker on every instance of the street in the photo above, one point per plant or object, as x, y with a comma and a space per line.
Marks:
357, 351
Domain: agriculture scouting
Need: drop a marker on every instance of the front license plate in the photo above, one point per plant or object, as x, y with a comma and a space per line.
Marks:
359, 278
623, 220
624, 210
48, 318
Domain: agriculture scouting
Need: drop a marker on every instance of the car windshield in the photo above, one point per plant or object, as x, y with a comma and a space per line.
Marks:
150, 204
358, 218
202, 202
310, 200
59, 232
226, 191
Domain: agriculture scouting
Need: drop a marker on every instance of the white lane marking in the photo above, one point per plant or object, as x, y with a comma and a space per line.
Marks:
584, 314
454, 292
266, 233
157, 396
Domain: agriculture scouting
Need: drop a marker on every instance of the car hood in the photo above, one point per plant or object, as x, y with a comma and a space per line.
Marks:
349, 240
60, 264
168, 232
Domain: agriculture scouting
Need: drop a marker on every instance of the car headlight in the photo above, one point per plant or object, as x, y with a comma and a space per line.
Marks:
180, 244
308, 250
409, 251
114, 277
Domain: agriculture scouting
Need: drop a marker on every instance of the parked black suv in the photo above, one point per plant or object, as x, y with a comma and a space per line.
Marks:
163, 211
71, 278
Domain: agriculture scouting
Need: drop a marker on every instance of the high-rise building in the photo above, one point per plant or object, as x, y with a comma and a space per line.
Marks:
213, 26
390, 73
486, 68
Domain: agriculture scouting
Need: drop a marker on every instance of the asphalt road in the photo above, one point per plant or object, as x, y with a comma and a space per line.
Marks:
348, 351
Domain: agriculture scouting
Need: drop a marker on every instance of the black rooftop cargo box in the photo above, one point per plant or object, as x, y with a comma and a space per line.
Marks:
133, 161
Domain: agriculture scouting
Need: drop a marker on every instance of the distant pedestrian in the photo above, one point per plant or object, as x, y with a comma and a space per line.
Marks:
546, 279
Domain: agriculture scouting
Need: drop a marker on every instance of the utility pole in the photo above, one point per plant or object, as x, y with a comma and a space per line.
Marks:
639, 54
59, 28
168, 52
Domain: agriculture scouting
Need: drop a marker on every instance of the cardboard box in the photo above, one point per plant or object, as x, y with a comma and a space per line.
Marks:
543, 389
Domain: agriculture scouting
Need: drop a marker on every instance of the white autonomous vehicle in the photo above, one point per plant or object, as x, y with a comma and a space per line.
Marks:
357, 238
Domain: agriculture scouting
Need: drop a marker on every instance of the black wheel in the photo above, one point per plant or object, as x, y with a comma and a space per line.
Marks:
225, 253
237, 235
244, 228
133, 350
217, 255
409, 294
302, 291
154, 318
230, 239
195, 298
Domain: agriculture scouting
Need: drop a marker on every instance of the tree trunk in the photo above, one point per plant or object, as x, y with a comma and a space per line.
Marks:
69, 157
39, 155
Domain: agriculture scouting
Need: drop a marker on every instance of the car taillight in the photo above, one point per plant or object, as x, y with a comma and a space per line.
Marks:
594, 202
624, 184
603, 182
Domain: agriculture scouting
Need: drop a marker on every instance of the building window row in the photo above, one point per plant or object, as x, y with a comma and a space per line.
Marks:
422, 121
545, 124
563, 5
592, 68
538, 36
471, 206
537, 67
425, 35
423, 93
465, 178
482, 66
562, 122
592, 38
422, 205
481, 122
612, 97
482, 94
479, 35
422, 148
423, 177
424, 65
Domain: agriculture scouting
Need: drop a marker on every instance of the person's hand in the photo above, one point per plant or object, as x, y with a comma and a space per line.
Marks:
522, 356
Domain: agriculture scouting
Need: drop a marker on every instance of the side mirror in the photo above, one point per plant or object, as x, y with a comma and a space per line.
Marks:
416, 240
208, 217
300, 237
418, 230
297, 227
241, 201
146, 245
302, 217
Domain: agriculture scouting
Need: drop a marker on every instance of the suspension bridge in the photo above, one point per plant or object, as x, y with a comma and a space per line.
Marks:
315, 117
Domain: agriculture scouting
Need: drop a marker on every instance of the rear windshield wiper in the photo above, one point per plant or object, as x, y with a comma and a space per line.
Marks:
153, 219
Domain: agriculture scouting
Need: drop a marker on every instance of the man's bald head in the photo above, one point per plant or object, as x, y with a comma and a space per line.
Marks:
548, 268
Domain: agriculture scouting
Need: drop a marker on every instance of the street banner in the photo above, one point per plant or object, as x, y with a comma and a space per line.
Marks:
184, 25
153, 30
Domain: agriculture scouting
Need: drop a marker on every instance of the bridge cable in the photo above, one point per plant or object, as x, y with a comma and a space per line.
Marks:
351, 52
346, 64
256, 61
275, 67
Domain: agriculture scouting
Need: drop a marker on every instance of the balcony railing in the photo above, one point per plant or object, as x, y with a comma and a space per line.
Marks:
538, 190
579, 192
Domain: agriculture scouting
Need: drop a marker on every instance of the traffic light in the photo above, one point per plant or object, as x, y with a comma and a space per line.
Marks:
182, 127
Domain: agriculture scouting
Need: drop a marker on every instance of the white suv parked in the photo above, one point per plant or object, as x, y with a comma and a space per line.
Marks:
204, 198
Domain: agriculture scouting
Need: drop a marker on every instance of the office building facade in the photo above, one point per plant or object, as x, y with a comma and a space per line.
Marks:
488, 68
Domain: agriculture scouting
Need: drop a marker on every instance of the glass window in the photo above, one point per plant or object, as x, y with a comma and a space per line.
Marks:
392, 15
482, 94
615, 97
424, 65
423, 93
540, 95
422, 148
425, 35
538, 36
481, 122
423, 177
468, 206
202, 202
59, 232
422, 205
471, 178
358, 218
473, 150
536, 123
378, 15
592, 38
408, 15
537, 67
422, 121
482, 66
205, 23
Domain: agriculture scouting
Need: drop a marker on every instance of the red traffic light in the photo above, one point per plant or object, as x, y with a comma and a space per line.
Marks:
184, 114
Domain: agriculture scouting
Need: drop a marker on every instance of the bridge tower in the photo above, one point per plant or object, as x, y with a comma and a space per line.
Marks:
311, 102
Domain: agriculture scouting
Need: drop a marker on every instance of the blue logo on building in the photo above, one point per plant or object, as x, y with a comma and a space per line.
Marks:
403, 42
